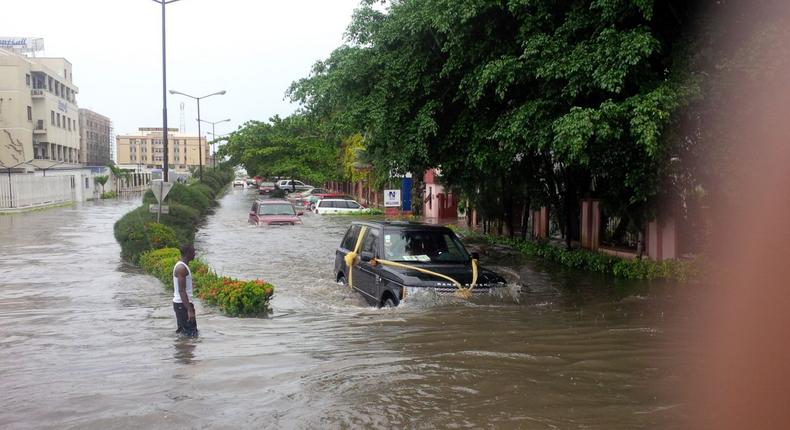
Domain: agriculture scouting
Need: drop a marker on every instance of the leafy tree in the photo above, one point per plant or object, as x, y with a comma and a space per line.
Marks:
518, 102
101, 180
292, 146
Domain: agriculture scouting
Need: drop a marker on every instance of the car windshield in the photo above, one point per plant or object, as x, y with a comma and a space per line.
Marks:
424, 247
276, 209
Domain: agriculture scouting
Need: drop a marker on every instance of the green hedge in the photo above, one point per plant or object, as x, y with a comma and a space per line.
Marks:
583, 259
188, 204
232, 296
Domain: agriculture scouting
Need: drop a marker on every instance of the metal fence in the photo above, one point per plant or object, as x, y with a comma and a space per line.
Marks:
27, 191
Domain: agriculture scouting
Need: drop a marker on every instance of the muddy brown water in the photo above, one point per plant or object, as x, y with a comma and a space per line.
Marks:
87, 341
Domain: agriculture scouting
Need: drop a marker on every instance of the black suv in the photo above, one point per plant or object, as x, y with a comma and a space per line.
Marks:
429, 247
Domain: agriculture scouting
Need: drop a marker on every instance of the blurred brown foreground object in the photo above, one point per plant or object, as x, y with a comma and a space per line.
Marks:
744, 341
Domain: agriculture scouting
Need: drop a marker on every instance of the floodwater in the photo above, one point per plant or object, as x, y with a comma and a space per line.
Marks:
88, 342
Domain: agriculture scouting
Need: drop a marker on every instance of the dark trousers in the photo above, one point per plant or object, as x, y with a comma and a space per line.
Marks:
185, 326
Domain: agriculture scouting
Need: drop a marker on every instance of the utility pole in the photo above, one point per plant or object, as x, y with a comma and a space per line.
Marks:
164, 89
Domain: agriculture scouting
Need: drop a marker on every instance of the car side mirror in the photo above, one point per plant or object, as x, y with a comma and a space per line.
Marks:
252, 212
365, 256
476, 256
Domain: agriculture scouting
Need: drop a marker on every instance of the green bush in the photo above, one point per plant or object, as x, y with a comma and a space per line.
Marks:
149, 198
160, 236
188, 196
583, 259
109, 195
205, 190
130, 233
187, 205
232, 296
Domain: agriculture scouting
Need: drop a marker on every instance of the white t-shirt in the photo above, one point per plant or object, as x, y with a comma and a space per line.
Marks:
176, 296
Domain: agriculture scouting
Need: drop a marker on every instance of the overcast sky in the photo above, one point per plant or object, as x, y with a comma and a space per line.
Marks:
253, 49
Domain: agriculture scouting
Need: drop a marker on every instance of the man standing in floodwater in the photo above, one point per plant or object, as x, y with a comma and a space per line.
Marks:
182, 293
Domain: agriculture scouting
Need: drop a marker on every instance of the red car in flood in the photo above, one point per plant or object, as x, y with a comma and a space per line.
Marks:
274, 212
266, 188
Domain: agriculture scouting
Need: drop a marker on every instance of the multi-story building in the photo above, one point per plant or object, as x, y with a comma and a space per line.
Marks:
144, 149
38, 110
95, 138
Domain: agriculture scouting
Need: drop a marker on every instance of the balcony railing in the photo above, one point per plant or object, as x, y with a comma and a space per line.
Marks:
36, 93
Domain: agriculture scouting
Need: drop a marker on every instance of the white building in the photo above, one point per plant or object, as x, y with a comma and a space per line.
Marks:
39, 117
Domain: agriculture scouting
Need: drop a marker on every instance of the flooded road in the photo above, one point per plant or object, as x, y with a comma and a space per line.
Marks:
88, 341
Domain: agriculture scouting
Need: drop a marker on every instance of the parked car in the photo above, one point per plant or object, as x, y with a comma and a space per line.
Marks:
274, 212
313, 199
266, 188
337, 206
430, 247
312, 192
238, 182
290, 186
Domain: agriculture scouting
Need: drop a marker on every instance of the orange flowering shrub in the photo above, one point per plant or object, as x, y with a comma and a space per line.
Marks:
232, 296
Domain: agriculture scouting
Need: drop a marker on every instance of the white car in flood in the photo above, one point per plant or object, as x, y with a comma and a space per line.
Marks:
337, 206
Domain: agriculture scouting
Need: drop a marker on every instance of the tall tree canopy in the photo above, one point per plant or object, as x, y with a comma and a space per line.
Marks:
547, 99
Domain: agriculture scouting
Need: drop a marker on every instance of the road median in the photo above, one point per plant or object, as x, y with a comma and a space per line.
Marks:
154, 245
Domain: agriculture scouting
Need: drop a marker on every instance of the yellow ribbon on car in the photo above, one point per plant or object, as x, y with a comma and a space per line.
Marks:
351, 257
463, 292
351, 260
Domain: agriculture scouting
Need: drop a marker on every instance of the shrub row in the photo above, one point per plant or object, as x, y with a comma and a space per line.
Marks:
188, 204
232, 296
583, 259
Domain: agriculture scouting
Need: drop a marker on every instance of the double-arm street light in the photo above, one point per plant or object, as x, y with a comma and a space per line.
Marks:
214, 132
200, 142
164, 89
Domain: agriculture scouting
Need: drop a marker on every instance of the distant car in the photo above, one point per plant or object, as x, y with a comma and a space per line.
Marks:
266, 188
429, 247
313, 199
313, 191
238, 182
274, 212
337, 206
289, 186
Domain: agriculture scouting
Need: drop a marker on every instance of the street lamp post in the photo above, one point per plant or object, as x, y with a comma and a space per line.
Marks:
217, 137
200, 142
164, 89
214, 132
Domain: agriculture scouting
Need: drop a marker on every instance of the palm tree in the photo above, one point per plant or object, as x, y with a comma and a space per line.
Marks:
118, 174
101, 180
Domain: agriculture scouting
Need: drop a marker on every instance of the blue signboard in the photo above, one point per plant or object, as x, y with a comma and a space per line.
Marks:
405, 193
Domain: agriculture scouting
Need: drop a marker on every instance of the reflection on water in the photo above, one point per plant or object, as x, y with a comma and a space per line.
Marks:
88, 340
184, 350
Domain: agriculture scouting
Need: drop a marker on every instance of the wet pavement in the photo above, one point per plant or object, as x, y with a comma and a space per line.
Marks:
88, 341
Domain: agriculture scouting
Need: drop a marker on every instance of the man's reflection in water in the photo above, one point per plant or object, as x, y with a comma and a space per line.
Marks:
185, 350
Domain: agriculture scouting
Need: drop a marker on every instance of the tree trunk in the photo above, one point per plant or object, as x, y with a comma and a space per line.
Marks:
525, 218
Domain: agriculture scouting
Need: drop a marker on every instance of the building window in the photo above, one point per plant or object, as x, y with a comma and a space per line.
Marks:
49, 81
52, 114
57, 116
27, 79
86, 183
69, 121
29, 113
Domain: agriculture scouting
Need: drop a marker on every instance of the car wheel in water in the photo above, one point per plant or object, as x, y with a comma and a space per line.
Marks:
389, 302
341, 280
